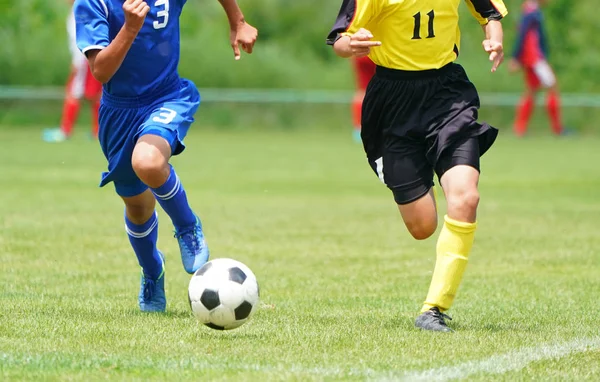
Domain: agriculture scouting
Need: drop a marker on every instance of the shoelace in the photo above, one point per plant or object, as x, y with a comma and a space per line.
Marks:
439, 315
149, 285
190, 242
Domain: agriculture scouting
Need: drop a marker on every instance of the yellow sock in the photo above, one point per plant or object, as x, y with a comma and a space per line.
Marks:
453, 247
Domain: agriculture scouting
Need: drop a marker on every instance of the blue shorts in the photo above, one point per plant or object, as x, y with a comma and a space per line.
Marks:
122, 121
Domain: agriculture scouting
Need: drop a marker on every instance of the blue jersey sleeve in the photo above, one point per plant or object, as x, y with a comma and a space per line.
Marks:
91, 19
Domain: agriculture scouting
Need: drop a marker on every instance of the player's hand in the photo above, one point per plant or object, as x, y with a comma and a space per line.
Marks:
243, 35
496, 52
360, 43
513, 66
135, 14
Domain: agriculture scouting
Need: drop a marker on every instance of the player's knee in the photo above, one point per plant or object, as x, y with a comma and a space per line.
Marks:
148, 164
421, 229
463, 201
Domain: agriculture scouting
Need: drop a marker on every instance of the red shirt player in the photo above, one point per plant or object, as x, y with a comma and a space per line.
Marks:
81, 84
364, 69
530, 54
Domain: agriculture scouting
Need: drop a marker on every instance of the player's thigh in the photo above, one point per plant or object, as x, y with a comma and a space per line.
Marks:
169, 124
150, 158
172, 117
117, 137
458, 170
464, 151
452, 116
420, 216
393, 139
404, 169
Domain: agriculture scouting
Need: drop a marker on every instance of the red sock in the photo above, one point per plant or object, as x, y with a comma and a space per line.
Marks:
70, 112
357, 112
553, 107
95, 108
524, 110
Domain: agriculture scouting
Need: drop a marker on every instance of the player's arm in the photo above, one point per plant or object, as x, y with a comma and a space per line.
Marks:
489, 13
241, 33
348, 36
105, 56
105, 63
358, 44
492, 44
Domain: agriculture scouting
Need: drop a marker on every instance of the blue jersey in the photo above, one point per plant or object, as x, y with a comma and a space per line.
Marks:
150, 66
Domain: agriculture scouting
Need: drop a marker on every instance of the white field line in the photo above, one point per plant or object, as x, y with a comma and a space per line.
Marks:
503, 363
496, 364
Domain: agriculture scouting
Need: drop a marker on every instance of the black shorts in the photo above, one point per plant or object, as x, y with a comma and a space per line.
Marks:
415, 123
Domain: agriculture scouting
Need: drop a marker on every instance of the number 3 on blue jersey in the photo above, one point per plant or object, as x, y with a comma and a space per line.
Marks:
165, 116
162, 15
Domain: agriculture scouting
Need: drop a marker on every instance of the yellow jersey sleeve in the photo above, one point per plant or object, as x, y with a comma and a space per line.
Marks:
353, 15
486, 10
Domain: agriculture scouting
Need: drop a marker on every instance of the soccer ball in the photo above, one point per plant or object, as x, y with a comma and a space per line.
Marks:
223, 294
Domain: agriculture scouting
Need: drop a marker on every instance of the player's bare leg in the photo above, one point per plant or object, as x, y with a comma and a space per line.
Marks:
460, 187
140, 208
150, 161
453, 247
141, 224
420, 216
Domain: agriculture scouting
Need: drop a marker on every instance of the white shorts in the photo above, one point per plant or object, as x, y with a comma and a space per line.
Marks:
544, 73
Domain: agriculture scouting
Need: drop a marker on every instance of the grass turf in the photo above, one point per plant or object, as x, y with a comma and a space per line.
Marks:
341, 280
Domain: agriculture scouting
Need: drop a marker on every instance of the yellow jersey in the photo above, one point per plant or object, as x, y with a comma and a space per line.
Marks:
415, 34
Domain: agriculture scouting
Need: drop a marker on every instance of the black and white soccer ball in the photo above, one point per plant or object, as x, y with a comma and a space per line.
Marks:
223, 294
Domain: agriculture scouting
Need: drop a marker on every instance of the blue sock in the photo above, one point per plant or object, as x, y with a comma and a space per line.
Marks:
171, 197
143, 240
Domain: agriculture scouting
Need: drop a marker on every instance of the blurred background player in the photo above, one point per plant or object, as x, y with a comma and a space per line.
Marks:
364, 69
530, 54
81, 84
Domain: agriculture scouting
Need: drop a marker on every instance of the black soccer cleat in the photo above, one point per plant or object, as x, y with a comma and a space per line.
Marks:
433, 320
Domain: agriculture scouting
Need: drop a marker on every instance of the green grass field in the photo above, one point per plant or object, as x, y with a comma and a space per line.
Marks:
341, 279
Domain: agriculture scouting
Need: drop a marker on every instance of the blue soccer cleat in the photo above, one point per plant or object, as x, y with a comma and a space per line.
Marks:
567, 132
54, 136
356, 136
152, 292
194, 251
